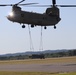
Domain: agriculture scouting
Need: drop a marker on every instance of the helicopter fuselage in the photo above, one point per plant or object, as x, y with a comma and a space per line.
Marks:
33, 18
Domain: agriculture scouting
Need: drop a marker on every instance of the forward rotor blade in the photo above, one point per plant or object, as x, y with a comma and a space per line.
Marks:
6, 4
3, 5
20, 2
16, 4
27, 4
38, 5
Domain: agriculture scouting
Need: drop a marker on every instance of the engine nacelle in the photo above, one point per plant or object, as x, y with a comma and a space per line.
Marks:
54, 11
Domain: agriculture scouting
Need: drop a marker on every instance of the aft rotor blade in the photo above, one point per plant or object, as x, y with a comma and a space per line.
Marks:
66, 5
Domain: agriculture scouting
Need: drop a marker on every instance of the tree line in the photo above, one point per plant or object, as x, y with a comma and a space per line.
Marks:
46, 55
61, 54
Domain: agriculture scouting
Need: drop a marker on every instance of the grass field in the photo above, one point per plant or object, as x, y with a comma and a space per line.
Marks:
41, 61
34, 73
38, 61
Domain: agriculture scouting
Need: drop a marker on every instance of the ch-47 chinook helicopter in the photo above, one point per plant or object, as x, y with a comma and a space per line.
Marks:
50, 18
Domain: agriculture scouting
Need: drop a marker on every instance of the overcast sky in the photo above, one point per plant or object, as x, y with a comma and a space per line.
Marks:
15, 39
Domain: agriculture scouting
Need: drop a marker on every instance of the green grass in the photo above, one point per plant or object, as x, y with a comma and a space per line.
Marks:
34, 73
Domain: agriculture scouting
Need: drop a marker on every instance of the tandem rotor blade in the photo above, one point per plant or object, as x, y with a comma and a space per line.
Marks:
6, 4
19, 2
12, 4
27, 4
66, 5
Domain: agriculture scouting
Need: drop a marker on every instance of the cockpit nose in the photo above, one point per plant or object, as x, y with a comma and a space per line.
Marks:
10, 16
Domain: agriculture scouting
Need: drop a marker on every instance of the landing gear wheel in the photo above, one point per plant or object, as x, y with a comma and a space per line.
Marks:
32, 26
23, 26
54, 27
45, 27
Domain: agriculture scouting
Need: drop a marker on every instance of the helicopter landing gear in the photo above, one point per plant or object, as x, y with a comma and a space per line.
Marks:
45, 27
23, 26
54, 27
32, 26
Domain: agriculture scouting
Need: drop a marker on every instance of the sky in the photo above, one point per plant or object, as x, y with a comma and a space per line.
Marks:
14, 39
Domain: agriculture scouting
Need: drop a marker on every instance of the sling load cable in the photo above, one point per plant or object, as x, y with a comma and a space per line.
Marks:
41, 40
31, 43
